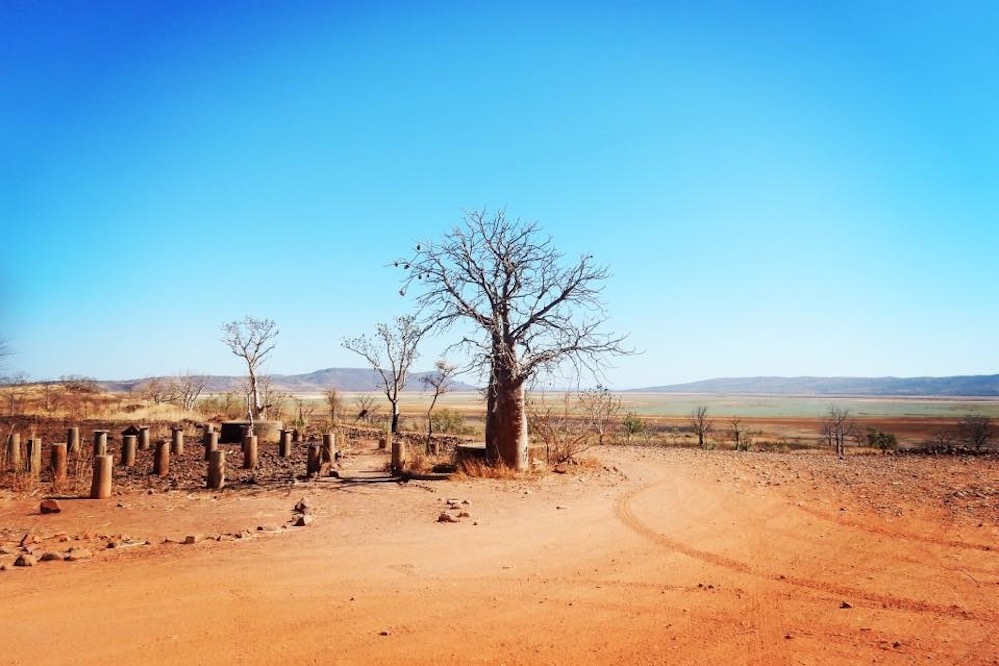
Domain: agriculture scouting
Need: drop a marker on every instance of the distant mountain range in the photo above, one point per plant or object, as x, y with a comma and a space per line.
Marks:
965, 386
345, 379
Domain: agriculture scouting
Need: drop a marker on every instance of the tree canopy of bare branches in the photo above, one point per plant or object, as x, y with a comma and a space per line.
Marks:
976, 430
185, 389
251, 340
530, 311
438, 383
837, 427
398, 344
700, 424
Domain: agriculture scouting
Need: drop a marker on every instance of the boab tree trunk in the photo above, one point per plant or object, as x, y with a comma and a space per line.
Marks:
506, 436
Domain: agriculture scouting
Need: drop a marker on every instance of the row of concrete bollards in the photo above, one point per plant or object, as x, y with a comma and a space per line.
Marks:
319, 454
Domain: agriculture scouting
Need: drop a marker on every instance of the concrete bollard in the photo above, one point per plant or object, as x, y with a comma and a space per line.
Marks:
296, 436
207, 429
100, 443
211, 444
14, 451
128, 450
35, 456
177, 441
143, 438
329, 447
250, 452
314, 463
73, 440
284, 444
161, 458
398, 455
100, 488
57, 462
216, 469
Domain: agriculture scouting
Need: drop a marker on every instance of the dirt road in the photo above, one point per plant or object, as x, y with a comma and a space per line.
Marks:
648, 557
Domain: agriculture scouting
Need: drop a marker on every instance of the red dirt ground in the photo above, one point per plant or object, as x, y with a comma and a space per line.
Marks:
645, 556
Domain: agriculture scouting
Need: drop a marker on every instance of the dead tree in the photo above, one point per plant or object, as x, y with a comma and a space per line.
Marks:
837, 428
700, 424
251, 340
529, 312
600, 409
398, 343
738, 433
185, 389
439, 383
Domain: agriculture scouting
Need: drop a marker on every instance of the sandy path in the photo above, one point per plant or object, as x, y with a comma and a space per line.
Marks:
682, 558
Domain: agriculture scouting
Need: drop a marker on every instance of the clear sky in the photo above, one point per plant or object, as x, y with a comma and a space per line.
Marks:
779, 188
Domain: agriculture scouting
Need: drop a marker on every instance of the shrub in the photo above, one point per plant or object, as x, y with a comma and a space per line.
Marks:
879, 439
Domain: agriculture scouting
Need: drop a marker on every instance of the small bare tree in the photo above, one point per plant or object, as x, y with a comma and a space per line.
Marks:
152, 389
305, 410
334, 404
739, 437
398, 343
700, 424
837, 428
367, 410
251, 340
601, 408
976, 430
438, 383
560, 425
185, 389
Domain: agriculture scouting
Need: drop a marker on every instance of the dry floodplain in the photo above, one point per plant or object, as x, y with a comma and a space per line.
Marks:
638, 556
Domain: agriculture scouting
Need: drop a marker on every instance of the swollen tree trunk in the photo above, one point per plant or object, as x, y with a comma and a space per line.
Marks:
508, 421
255, 392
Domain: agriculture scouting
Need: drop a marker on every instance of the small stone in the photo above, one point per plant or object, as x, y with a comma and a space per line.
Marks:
49, 506
303, 506
385, 632
76, 554
896, 644
304, 520
50, 556
192, 539
561, 468
29, 539
4, 550
560, 507
464, 514
446, 517
845, 604
25, 560
267, 528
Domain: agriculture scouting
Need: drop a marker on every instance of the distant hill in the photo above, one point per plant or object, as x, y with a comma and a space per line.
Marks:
964, 386
345, 379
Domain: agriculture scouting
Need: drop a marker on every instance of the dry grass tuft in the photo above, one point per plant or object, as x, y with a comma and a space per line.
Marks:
480, 469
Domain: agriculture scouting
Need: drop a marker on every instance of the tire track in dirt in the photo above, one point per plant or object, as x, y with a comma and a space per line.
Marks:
893, 534
624, 512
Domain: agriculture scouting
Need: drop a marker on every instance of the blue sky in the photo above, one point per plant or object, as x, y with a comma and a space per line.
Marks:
778, 188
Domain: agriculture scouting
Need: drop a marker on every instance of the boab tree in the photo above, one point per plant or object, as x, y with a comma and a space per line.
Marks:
251, 340
529, 312
398, 343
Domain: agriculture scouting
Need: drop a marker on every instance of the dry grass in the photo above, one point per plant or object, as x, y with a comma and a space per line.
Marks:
481, 469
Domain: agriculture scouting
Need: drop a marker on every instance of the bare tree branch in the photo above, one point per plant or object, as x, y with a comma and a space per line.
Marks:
398, 344
251, 340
